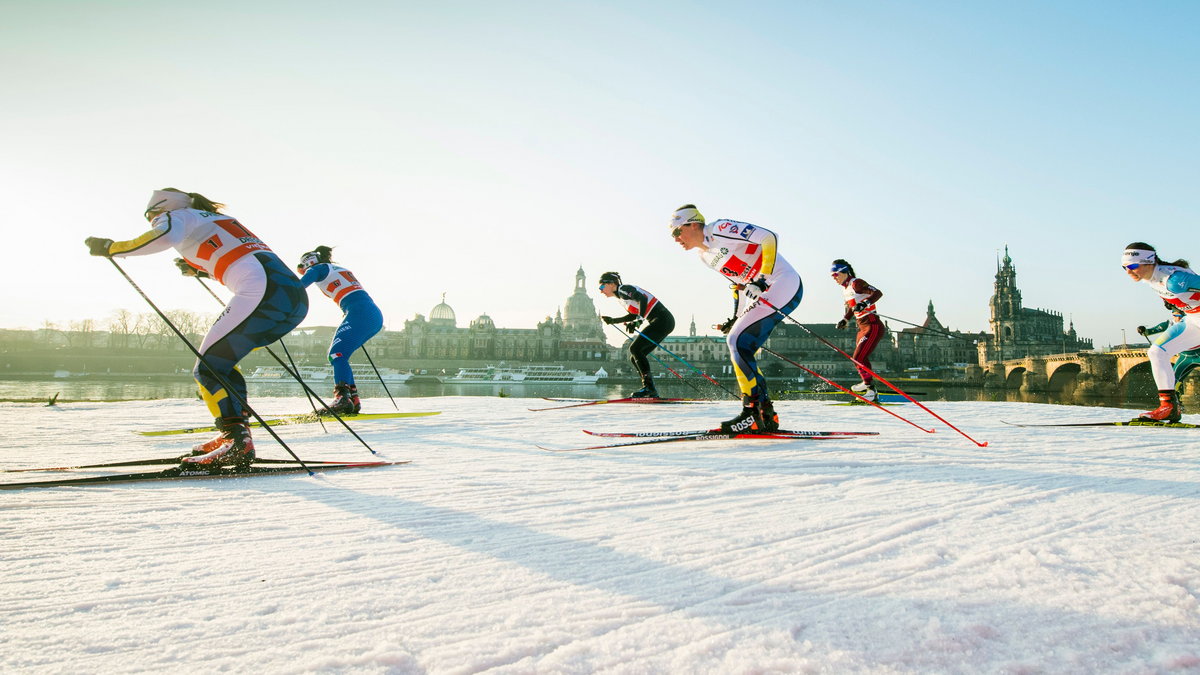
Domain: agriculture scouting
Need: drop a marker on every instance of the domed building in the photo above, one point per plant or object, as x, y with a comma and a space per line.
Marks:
577, 336
580, 321
442, 315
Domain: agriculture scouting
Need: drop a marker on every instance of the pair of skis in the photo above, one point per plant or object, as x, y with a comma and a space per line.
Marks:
261, 467
579, 403
304, 418
1127, 423
653, 437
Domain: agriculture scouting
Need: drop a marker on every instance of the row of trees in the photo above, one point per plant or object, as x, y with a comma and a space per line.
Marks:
124, 329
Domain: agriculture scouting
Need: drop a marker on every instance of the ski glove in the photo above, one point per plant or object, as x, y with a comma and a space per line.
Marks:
633, 326
725, 326
841, 325
1141, 330
98, 245
188, 271
610, 320
755, 289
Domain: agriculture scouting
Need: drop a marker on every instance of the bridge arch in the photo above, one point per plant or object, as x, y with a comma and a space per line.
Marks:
1063, 375
1014, 377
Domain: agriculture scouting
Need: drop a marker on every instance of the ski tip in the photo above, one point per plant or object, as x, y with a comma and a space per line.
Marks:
983, 444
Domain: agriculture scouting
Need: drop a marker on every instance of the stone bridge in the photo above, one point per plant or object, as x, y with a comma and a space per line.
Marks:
1080, 373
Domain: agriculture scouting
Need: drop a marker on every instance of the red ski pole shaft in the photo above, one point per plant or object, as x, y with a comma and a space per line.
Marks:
816, 374
873, 373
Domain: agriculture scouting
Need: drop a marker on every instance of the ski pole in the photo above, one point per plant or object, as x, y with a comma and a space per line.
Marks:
301, 381
385, 389
204, 362
689, 365
664, 365
295, 372
873, 373
855, 395
931, 330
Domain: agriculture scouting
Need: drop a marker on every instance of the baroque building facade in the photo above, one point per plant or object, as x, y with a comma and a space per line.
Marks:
1019, 331
932, 346
573, 335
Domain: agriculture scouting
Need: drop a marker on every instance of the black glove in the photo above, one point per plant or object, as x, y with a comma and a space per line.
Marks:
610, 320
726, 325
1141, 330
633, 326
861, 305
98, 245
755, 289
841, 325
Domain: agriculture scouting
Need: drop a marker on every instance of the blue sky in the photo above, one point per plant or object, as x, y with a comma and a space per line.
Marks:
488, 150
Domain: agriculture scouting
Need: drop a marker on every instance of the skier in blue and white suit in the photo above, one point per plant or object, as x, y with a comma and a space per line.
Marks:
361, 320
746, 255
1179, 287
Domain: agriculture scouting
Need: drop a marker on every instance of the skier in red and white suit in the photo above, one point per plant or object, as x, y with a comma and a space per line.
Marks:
860, 305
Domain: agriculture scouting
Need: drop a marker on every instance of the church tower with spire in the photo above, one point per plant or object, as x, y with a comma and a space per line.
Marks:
1006, 302
1019, 331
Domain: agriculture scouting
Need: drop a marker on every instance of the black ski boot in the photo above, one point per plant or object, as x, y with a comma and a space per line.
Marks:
768, 420
343, 400
746, 422
647, 390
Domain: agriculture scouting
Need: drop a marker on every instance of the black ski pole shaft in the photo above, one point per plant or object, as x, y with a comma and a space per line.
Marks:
204, 362
304, 384
858, 363
664, 365
385, 389
931, 330
295, 372
689, 365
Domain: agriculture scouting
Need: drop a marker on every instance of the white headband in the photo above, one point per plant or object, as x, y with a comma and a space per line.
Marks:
1138, 256
168, 200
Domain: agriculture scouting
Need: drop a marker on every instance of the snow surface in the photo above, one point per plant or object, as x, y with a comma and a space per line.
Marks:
1049, 551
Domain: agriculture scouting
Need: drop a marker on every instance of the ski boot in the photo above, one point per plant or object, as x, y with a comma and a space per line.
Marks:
746, 421
768, 420
1168, 410
235, 449
865, 390
647, 391
345, 400
217, 441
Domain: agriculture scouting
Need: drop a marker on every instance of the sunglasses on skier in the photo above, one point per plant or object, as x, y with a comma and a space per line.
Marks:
1131, 267
676, 232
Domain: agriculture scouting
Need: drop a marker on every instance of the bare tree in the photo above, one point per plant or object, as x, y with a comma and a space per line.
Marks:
120, 327
82, 333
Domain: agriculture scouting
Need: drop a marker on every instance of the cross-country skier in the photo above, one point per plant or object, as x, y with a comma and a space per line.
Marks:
1187, 360
268, 302
1179, 287
361, 320
860, 305
642, 306
746, 255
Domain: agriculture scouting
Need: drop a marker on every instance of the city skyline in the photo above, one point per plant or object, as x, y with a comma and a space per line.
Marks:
488, 152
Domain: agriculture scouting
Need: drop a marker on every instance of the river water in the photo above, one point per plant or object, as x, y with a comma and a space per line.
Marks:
88, 389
